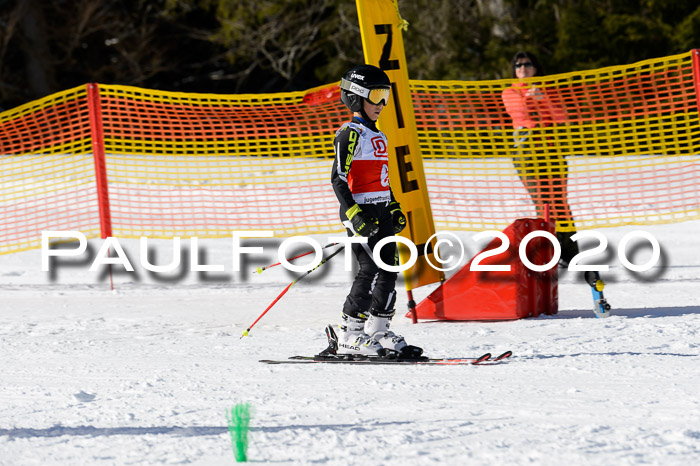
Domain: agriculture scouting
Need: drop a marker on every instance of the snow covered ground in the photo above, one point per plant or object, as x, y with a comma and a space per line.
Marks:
145, 375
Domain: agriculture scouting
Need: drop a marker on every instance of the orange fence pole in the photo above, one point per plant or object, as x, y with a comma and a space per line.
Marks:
695, 54
98, 150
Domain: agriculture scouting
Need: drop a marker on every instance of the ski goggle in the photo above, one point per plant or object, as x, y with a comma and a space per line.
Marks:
374, 96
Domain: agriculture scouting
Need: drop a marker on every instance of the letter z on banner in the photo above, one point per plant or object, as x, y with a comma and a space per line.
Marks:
383, 47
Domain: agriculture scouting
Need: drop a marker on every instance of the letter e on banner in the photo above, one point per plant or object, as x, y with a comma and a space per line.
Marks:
383, 47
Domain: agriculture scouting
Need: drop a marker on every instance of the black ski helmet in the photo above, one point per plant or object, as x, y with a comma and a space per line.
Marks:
358, 83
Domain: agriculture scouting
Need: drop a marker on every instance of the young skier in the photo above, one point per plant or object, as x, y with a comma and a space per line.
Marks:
360, 179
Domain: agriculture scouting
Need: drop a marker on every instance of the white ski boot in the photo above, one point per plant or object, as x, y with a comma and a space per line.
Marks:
353, 340
377, 327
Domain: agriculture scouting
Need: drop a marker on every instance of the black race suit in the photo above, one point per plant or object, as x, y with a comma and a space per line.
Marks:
360, 176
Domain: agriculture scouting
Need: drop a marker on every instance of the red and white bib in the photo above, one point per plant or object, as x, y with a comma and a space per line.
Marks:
368, 177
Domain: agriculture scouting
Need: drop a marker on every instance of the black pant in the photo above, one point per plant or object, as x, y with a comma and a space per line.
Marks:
373, 288
544, 174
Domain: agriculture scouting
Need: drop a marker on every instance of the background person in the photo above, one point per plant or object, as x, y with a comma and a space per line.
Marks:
540, 166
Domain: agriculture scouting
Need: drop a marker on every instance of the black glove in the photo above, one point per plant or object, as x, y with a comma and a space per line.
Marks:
397, 217
363, 224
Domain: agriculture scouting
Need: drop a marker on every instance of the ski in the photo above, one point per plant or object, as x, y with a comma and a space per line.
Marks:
503, 356
411, 357
483, 360
601, 308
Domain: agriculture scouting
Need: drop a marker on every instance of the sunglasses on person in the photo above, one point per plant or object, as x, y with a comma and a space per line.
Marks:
527, 64
374, 96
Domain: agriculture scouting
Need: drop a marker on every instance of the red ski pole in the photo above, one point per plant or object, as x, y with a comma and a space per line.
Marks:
261, 269
245, 333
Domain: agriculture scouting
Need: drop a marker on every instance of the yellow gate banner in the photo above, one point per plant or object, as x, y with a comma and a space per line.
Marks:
383, 47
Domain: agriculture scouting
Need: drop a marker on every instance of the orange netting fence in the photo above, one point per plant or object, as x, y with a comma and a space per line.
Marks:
619, 145
121, 161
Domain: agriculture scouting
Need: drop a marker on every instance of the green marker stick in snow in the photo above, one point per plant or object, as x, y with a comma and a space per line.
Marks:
238, 423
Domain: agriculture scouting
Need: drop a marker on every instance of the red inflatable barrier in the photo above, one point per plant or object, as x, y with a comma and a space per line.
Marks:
495, 295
